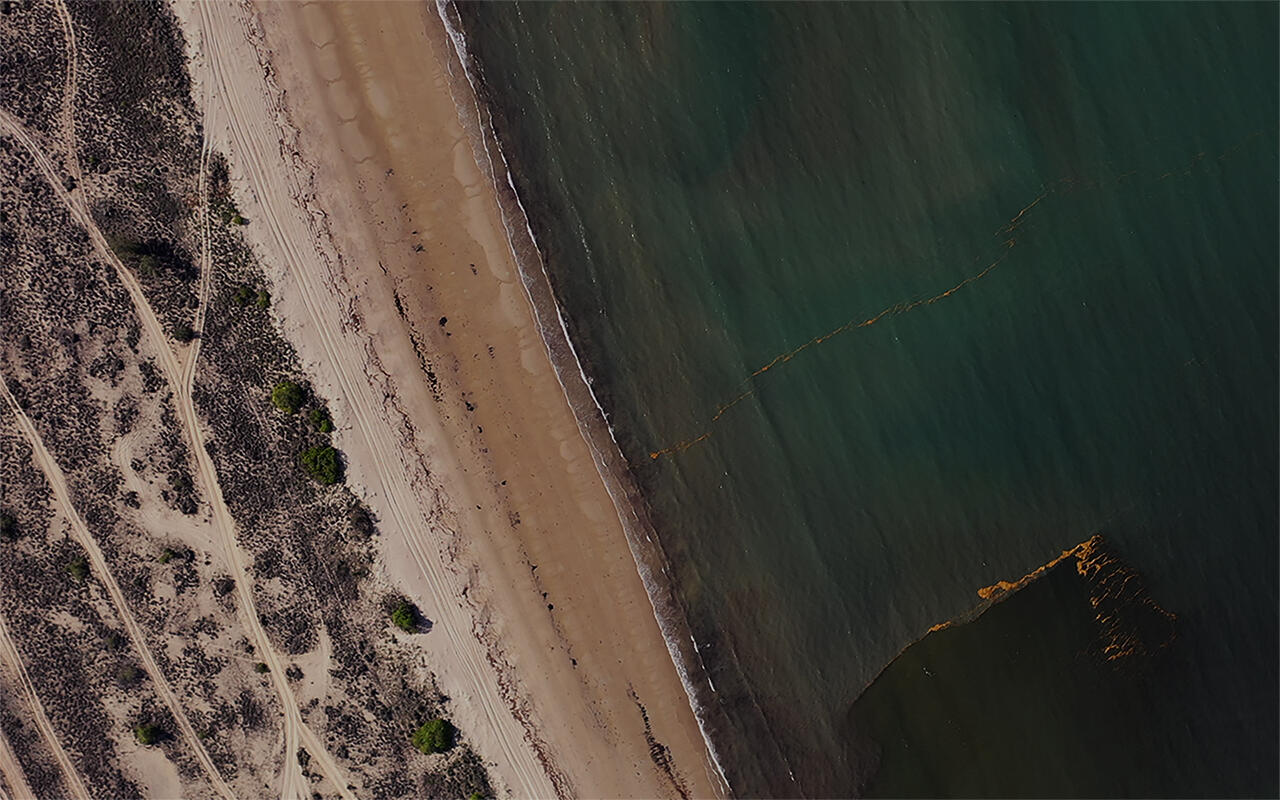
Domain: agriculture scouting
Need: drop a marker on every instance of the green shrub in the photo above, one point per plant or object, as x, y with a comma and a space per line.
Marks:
405, 616
322, 464
183, 332
78, 568
435, 736
124, 247
148, 734
142, 257
243, 295
361, 523
167, 556
127, 675
230, 214
320, 419
288, 396
261, 668
9, 528
264, 299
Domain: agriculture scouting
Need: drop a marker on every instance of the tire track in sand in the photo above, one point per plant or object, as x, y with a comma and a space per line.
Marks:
278, 192
206, 258
293, 784
69, 92
14, 786
17, 780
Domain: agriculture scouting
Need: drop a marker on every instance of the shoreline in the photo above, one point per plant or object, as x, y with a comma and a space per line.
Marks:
593, 694
614, 469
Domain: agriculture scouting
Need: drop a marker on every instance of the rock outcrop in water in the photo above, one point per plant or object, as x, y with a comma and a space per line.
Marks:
1043, 689
1131, 625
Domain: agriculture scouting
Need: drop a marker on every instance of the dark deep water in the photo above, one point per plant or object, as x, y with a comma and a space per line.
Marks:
713, 186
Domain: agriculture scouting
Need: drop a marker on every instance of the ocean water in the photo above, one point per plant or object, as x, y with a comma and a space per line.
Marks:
887, 303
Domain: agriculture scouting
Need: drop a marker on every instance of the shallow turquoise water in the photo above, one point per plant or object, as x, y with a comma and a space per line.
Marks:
715, 185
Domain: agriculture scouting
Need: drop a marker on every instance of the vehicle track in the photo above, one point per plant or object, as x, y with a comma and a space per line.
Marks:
206, 259
293, 784
14, 786
69, 92
62, 497
255, 152
17, 782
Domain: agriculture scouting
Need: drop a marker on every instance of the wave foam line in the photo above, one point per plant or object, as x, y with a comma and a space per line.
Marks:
613, 481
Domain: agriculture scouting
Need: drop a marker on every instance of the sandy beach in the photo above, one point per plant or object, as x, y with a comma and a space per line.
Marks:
338, 341
398, 288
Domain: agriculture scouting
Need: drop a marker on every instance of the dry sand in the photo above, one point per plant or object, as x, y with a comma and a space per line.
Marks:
396, 285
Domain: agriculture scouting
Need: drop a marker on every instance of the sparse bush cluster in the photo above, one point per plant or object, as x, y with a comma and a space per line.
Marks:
151, 258
320, 419
127, 675
320, 462
155, 259
220, 200
290, 398
361, 522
